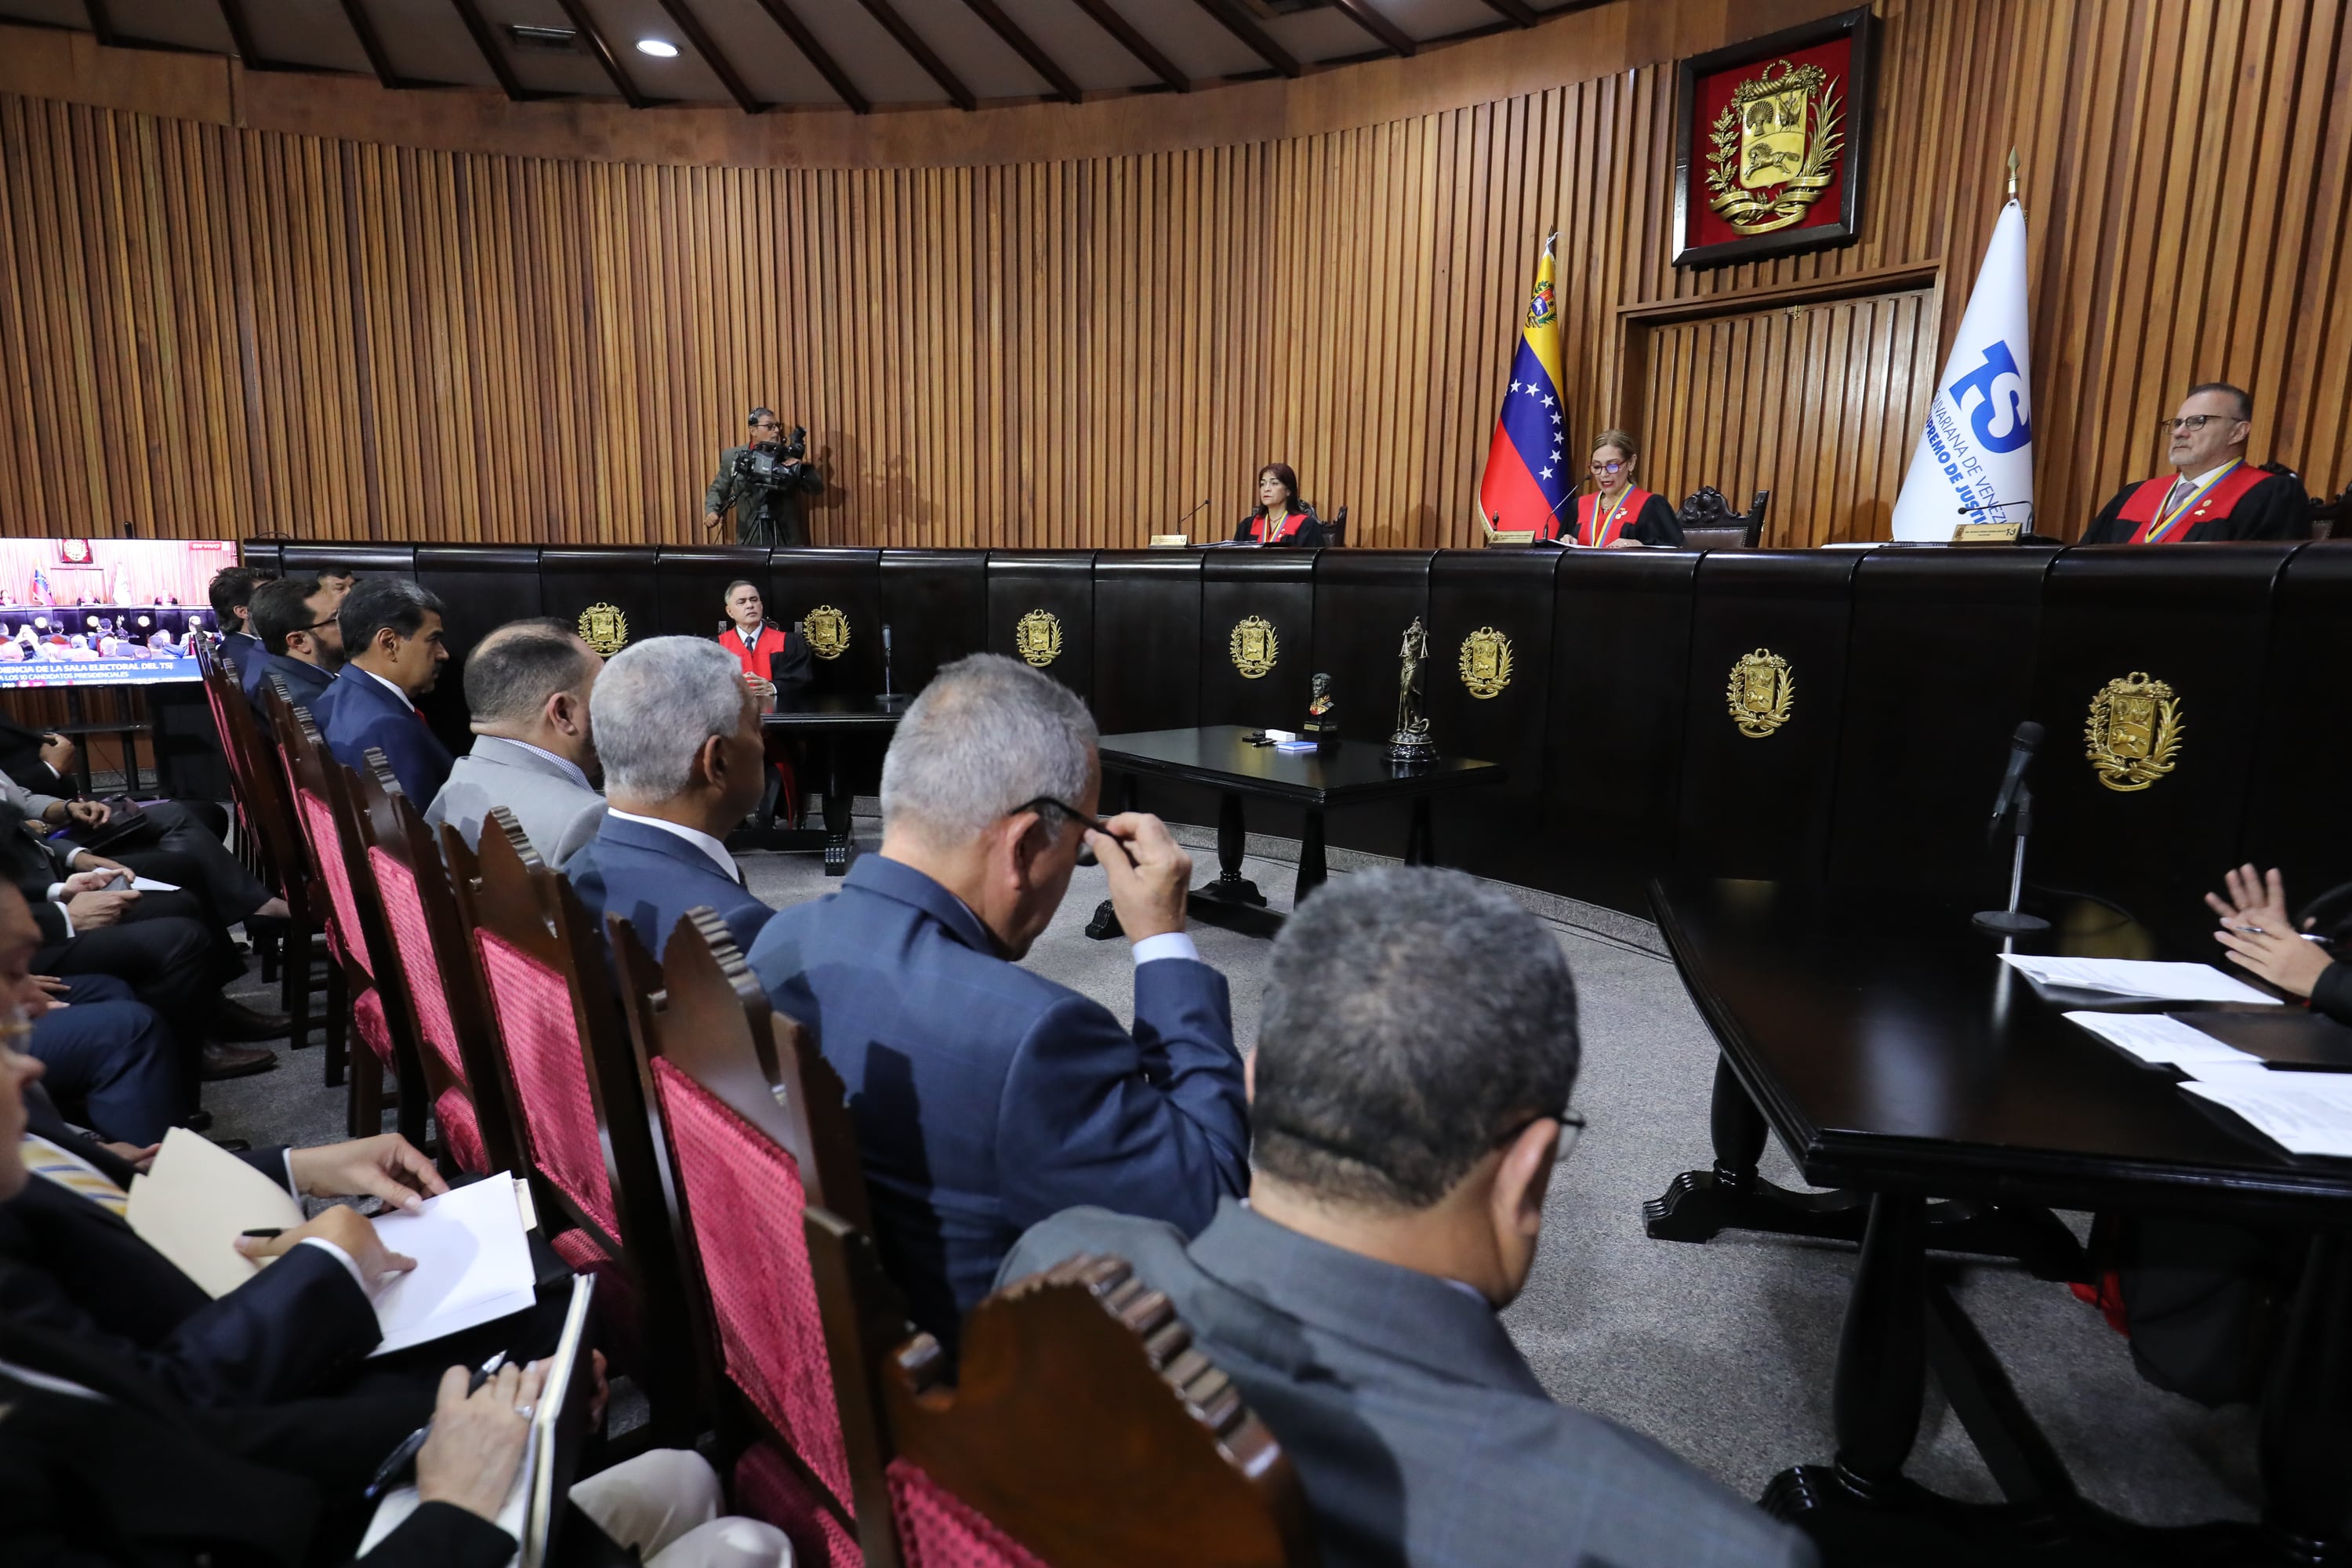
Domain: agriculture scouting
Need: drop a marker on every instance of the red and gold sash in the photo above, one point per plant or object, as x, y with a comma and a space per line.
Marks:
2162, 525
757, 659
1595, 530
1287, 529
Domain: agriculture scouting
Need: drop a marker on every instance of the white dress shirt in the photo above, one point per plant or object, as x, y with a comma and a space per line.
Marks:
570, 768
694, 835
390, 686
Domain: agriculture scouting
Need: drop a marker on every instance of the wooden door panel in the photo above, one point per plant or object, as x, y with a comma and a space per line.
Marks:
1819, 404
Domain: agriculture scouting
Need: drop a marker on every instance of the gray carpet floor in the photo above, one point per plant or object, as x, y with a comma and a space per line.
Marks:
1723, 1353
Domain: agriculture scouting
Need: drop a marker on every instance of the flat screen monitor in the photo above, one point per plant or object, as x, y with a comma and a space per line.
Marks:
104, 612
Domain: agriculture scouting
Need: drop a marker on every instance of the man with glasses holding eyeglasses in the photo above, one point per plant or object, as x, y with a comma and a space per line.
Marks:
986, 1096
303, 643
2214, 493
1417, 1045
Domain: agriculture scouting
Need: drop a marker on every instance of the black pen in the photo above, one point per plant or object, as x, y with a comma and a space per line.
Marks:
401, 1457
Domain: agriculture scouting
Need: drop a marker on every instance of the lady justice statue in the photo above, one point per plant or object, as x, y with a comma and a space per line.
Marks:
1411, 744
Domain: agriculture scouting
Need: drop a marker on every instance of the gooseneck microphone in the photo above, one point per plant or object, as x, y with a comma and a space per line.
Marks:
2022, 748
2016, 803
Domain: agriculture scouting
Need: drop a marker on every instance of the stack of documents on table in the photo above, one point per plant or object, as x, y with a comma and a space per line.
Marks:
2161, 1041
2136, 979
473, 1261
2302, 1112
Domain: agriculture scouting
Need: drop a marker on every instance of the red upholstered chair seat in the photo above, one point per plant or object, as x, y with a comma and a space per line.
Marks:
768, 1488
557, 1116
939, 1529
373, 1029
744, 1196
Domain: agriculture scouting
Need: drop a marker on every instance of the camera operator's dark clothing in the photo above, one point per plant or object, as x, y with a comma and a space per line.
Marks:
738, 489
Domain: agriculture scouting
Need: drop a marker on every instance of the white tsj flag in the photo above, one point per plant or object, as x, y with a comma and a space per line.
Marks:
1975, 461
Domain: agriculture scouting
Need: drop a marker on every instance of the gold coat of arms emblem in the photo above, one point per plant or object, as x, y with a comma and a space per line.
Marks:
1253, 645
2133, 738
1038, 635
827, 630
1485, 662
1760, 693
1776, 147
603, 628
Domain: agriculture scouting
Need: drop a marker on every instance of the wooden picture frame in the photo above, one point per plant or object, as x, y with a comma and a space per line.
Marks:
1828, 65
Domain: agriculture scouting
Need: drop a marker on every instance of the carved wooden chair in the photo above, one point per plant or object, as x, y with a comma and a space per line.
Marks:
271, 840
1085, 1431
438, 979
357, 945
579, 1115
2333, 520
1709, 524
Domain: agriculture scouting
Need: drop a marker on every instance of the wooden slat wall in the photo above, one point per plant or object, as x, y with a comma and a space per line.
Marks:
208, 331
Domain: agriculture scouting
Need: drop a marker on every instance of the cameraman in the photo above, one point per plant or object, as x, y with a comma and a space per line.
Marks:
763, 483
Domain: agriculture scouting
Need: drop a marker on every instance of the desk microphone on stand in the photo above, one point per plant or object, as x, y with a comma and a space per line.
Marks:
2015, 801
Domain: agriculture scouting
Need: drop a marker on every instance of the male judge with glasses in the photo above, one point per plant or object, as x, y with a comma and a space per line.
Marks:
2214, 494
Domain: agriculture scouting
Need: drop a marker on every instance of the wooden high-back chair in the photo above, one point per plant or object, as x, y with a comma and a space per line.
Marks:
755, 1128
267, 833
579, 1114
1085, 1431
358, 946
438, 979
1709, 524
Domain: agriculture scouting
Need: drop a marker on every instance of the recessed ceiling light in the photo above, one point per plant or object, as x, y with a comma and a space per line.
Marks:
660, 48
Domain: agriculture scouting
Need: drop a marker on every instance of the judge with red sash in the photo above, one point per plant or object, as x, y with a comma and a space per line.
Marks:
2215, 494
776, 664
1280, 519
1616, 514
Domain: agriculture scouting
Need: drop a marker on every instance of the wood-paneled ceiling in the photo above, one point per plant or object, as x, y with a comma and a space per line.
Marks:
768, 54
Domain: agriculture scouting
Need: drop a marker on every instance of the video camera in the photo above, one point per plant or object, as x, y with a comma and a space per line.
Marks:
774, 463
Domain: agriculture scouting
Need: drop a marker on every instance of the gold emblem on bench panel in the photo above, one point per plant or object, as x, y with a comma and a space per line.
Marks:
1485, 662
1253, 645
827, 630
1038, 635
2133, 737
1762, 692
603, 628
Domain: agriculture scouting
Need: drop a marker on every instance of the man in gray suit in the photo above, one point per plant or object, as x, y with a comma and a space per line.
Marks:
1409, 1098
526, 686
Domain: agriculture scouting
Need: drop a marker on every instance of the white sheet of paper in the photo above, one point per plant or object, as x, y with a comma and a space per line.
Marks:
472, 1264
2164, 1042
150, 885
195, 1200
2302, 1112
2138, 977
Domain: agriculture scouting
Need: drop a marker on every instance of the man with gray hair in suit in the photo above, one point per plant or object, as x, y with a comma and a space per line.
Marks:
1410, 1101
527, 687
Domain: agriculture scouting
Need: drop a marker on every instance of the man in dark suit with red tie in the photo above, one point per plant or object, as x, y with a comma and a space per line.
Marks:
2214, 494
391, 639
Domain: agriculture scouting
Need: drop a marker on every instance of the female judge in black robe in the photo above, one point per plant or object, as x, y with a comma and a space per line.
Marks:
1280, 519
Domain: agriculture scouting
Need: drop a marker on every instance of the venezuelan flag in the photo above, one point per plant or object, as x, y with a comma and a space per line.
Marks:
1527, 482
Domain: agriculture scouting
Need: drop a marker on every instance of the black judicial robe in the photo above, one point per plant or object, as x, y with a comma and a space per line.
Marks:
2265, 506
1297, 531
1644, 517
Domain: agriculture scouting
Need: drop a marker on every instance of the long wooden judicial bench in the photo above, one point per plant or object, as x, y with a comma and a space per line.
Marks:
1634, 696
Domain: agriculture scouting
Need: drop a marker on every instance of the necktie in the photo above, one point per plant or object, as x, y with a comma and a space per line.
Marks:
70, 1170
2181, 491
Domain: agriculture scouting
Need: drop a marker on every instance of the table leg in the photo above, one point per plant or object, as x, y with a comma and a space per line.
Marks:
1697, 1205
1230, 886
1312, 873
1882, 1365
837, 843
1420, 840
2306, 1428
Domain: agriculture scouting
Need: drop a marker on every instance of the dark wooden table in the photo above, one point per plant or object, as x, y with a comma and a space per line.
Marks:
1349, 773
829, 726
1896, 1056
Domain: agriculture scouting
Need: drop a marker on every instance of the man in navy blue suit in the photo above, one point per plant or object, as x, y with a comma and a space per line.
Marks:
302, 640
392, 638
987, 1097
677, 728
231, 592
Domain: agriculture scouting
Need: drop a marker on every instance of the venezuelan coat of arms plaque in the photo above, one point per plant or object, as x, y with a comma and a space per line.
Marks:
1770, 137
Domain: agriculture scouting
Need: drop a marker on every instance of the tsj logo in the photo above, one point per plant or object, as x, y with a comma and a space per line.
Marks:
2000, 389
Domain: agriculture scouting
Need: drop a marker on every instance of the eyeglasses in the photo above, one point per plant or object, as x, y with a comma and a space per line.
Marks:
317, 625
1571, 1128
767, 424
1607, 468
2191, 422
1046, 803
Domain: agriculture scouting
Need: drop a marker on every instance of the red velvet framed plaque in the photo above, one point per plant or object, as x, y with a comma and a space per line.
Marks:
1771, 141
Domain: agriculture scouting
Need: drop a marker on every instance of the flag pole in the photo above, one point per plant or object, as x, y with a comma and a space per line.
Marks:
2012, 177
